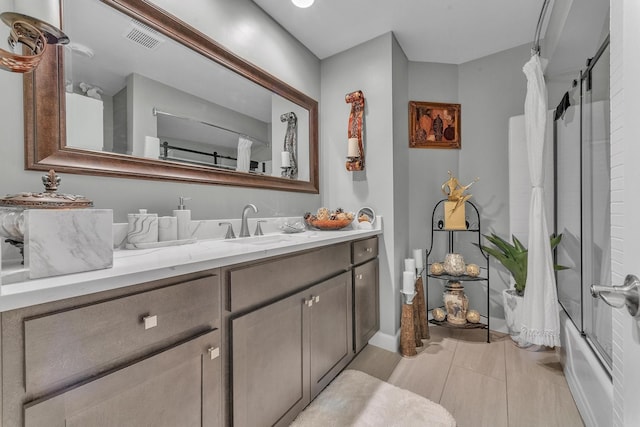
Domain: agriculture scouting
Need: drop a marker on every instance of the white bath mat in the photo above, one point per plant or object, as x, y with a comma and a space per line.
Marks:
360, 400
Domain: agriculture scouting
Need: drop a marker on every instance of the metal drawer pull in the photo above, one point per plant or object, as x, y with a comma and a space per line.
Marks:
150, 321
369, 249
359, 277
214, 352
316, 299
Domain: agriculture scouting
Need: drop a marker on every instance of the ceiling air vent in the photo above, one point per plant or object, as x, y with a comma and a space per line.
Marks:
143, 35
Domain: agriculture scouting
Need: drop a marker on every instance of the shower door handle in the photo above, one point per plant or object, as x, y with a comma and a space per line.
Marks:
619, 296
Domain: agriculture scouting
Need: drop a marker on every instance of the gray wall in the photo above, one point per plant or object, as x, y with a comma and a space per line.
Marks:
267, 45
491, 89
366, 67
401, 231
428, 167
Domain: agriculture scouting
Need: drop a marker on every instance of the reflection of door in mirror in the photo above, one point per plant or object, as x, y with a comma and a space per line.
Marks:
133, 91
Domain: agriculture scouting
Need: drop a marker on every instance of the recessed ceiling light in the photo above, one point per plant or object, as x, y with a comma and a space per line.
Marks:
302, 3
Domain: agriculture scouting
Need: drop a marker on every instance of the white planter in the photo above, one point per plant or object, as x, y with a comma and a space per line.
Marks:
512, 303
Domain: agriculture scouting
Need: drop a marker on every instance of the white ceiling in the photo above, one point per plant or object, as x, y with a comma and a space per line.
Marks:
446, 31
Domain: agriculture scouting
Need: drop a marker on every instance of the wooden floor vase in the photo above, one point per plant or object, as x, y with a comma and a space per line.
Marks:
422, 325
407, 332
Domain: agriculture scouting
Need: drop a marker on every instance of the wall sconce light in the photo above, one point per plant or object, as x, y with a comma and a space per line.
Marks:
355, 149
32, 33
289, 163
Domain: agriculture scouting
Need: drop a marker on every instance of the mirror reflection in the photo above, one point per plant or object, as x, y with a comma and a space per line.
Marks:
132, 90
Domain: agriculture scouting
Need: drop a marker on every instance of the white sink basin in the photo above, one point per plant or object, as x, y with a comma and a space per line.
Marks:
272, 239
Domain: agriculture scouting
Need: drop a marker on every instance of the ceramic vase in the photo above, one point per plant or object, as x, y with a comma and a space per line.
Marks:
456, 303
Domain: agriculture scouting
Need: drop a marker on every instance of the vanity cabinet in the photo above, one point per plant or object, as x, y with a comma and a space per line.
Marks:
285, 353
290, 327
248, 344
142, 355
177, 387
366, 320
366, 300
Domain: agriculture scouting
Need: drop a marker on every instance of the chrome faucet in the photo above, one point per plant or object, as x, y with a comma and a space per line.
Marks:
244, 228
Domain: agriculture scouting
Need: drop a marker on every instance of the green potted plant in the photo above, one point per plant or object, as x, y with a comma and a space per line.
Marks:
514, 257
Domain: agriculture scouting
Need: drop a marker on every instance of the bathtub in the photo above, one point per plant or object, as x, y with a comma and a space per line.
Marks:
588, 380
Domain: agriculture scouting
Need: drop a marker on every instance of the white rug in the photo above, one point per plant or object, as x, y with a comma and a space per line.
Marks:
360, 400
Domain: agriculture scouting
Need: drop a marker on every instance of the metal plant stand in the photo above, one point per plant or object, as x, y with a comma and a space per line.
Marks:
457, 239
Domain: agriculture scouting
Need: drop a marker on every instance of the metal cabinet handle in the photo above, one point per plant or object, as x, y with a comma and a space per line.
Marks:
359, 277
369, 249
214, 352
316, 299
619, 296
150, 321
309, 302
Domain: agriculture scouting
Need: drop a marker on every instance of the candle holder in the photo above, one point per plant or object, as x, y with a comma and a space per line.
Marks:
407, 329
355, 149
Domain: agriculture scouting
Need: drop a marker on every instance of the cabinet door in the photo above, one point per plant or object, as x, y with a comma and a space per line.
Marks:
366, 302
177, 387
270, 362
330, 330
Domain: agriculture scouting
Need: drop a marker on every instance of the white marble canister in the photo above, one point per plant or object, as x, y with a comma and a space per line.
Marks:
143, 227
64, 241
167, 228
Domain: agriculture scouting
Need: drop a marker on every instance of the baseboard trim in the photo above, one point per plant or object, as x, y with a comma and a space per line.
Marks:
386, 341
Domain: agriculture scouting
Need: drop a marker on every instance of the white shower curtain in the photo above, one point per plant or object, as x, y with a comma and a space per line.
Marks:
244, 154
540, 316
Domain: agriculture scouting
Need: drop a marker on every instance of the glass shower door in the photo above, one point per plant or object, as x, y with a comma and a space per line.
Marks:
583, 204
596, 202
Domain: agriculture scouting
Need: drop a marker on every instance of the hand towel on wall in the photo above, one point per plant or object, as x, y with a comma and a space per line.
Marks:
151, 147
244, 154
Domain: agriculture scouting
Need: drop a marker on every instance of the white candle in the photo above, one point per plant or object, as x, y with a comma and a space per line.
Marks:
410, 265
417, 256
408, 282
353, 150
286, 159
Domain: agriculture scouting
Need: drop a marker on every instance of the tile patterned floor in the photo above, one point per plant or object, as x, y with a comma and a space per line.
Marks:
481, 384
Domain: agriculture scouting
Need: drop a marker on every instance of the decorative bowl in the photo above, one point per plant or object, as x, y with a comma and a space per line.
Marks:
328, 224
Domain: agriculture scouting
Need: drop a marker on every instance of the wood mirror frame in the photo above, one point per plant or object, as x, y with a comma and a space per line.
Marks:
44, 115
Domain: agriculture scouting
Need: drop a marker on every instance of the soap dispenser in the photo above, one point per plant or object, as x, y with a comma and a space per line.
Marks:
183, 216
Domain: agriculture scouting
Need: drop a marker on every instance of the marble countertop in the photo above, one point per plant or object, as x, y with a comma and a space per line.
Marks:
131, 267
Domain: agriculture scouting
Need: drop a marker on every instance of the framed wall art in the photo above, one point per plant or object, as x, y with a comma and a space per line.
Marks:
434, 125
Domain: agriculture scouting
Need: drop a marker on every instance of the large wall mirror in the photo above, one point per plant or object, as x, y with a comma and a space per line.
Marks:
138, 93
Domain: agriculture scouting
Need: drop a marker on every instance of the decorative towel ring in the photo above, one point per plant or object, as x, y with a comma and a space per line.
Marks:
34, 34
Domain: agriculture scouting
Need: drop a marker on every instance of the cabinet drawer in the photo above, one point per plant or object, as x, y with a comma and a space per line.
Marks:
258, 283
364, 250
177, 387
87, 340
